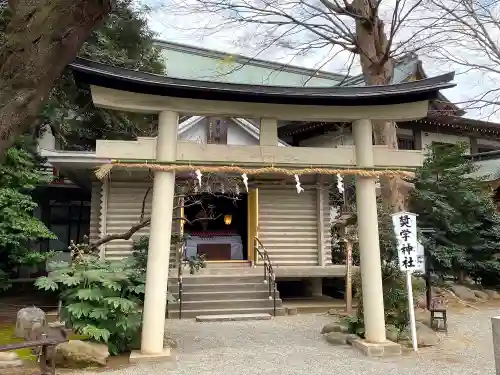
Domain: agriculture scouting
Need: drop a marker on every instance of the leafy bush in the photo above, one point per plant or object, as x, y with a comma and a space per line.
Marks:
101, 299
395, 299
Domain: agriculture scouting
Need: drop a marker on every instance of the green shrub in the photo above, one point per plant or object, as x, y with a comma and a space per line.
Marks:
101, 299
395, 299
20, 173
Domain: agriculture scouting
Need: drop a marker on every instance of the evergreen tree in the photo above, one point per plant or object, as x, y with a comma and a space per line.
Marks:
124, 40
19, 175
459, 208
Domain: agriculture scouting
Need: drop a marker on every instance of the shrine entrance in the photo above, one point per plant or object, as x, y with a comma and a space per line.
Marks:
217, 227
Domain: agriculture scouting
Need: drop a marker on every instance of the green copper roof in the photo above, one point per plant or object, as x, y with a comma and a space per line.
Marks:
489, 170
190, 62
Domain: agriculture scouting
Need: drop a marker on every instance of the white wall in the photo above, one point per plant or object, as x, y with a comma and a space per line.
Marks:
333, 139
428, 138
237, 136
342, 138
198, 133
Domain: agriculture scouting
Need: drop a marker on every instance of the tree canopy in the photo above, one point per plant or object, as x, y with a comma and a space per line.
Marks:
19, 229
466, 238
39, 40
124, 40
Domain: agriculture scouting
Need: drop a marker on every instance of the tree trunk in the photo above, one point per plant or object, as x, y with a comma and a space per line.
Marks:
378, 69
42, 37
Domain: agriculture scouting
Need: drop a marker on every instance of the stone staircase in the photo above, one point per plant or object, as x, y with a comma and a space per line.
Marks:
223, 291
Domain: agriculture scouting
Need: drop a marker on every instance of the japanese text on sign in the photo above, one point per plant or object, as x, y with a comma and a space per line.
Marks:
405, 228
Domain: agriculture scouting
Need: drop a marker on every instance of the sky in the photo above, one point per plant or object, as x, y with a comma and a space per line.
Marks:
184, 24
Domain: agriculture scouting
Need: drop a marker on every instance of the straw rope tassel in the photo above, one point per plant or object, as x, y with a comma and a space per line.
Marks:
104, 170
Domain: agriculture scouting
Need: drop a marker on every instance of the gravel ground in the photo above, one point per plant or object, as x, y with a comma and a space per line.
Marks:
293, 346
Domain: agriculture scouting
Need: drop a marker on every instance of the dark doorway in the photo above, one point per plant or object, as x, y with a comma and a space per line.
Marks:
219, 226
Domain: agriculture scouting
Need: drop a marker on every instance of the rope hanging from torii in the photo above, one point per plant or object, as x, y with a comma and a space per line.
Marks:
104, 170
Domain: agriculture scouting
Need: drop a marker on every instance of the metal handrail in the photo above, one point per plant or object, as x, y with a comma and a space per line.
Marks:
181, 264
269, 275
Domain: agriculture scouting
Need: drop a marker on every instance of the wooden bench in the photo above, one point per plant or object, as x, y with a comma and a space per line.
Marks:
45, 361
438, 306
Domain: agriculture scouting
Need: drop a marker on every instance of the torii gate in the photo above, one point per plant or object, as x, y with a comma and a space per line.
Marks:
133, 91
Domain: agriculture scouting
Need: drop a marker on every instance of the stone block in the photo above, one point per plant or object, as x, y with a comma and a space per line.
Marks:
9, 359
492, 294
10, 364
137, 357
481, 295
80, 354
232, 317
350, 338
463, 292
336, 338
385, 349
27, 318
292, 311
334, 327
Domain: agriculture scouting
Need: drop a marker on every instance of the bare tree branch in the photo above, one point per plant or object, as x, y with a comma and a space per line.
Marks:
470, 42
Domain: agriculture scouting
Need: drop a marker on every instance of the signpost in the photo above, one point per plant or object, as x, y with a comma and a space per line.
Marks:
348, 283
405, 228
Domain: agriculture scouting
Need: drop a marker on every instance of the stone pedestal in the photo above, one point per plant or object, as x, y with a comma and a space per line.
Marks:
495, 329
380, 349
136, 357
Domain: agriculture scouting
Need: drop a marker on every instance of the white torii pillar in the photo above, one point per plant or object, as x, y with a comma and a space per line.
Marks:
155, 298
369, 248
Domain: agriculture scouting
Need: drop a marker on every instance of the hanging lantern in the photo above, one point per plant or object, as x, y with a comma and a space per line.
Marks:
228, 219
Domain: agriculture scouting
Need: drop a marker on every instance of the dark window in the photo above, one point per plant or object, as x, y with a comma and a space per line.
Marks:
406, 143
69, 220
485, 148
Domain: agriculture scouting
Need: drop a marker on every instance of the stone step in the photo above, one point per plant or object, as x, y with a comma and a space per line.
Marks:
191, 314
226, 265
219, 295
232, 317
219, 279
236, 287
222, 271
225, 304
